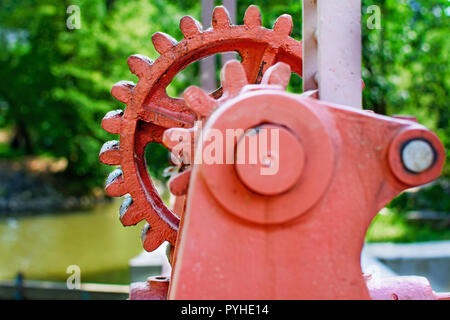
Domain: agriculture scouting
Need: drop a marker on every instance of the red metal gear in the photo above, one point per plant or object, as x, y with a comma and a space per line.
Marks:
150, 111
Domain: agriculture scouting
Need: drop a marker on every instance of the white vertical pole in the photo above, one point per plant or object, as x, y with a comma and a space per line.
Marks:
230, 5
339, 51
309, 40
208, 64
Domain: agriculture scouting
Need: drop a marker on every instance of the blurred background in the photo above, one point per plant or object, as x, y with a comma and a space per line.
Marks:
55, 89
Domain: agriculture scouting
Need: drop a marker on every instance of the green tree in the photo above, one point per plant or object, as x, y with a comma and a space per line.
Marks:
58, 80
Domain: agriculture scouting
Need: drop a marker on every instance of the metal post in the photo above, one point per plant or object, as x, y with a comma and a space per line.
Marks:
230, 5
309, 25
208, 64
333, 63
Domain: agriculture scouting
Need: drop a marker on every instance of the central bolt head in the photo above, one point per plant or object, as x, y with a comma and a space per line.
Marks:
417, 155
269, 159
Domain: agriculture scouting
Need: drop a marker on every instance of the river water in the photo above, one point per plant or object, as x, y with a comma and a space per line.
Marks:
42, 247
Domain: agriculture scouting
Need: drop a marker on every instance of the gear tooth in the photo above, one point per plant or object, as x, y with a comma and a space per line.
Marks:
174, 136
252, 17
122, 91
180, 142
115, 185
190, 27
163, 42
111, 122
233, 77
278, 74
110, 153
179, 183
283, 24
139, 64
220, 18
199, 101
151, 240
129, 216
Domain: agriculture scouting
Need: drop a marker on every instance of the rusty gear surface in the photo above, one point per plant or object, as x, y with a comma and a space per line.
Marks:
150, 111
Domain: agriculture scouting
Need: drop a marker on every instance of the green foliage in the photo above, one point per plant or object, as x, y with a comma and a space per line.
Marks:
435, 197
56, 82
392, 226
406, 63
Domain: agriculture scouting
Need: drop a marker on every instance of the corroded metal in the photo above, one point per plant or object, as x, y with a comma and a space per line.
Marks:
150, 111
